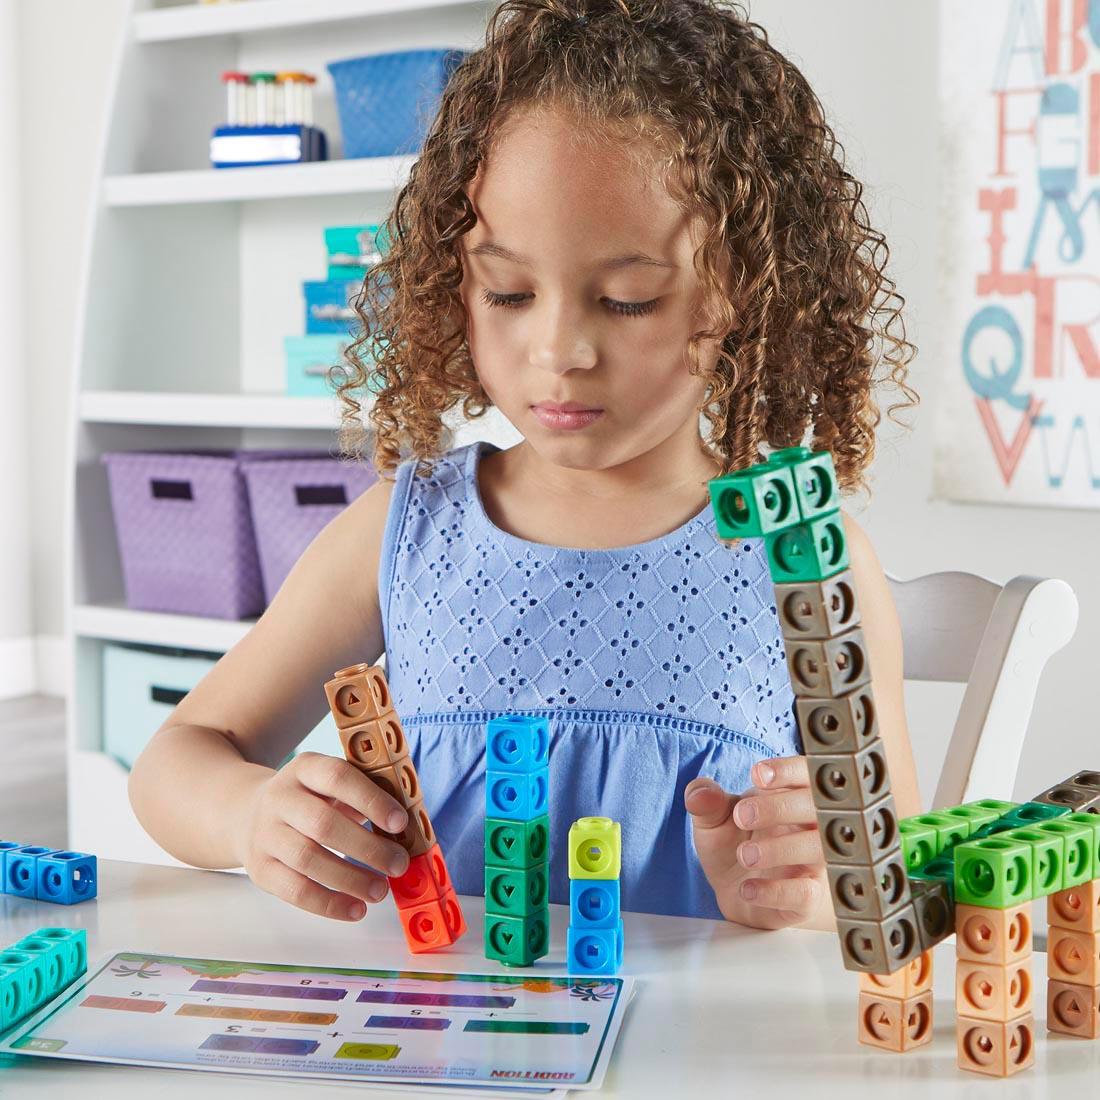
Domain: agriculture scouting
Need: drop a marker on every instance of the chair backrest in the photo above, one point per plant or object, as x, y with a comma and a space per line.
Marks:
961, 628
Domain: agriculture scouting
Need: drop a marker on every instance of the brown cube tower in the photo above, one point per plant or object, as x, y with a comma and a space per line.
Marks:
374, 742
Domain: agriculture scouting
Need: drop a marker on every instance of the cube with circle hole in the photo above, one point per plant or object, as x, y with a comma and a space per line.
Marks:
754, 502
511, 892
66, 878
517, 844
21, 869
594, 903
15, 986
72, 943
595, 950
517, 941
517, 796
517, 743
595, 848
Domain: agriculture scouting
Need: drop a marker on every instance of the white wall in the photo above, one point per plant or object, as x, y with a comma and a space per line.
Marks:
874, 63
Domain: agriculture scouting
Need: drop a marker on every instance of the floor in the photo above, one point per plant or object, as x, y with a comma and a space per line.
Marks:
32, 774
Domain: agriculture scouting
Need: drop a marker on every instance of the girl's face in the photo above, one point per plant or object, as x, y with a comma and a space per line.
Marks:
581, 296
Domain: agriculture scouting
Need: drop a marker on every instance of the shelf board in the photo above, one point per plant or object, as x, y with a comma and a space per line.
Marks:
116, 623
213, 410
205, 20
356, 176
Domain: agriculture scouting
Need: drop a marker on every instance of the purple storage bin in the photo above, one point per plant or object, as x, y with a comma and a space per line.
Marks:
291, 500
185, 532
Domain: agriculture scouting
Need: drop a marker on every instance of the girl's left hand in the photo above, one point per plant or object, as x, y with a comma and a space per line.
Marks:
761, 851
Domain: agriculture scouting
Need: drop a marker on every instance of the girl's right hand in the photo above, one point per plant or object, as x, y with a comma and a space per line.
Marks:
310, 805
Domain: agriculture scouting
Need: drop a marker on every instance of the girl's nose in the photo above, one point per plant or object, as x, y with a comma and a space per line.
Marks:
560, 342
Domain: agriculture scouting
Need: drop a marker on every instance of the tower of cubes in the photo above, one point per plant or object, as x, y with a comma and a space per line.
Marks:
373, 740
517, 839
37, 968
595, 940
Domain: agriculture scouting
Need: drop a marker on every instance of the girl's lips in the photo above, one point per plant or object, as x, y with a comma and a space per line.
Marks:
565, 419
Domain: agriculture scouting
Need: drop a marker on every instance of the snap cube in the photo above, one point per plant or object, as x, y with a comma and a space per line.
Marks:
517, 796
66, 877
15, 992
893, 1023
989, 991
810, 551
996, 1048
1076, 907
1077, 858
1048, 855
859, 836
516, 893
73, 946
427, 879
1078, 799
517, 843
595, 950
831, 666
594, 903
1001, 936
21, 870
517, 941
1073, 1009
595, 848
994, 872
918, 842
1090, 821
880, 946
418, 835
434, 924
909, 981
754, 501
949, 830
376, 742
869, 893
844, 723
818, 609
815, 484
934, 908
399, 780
517, 743
1073, 956
849, 781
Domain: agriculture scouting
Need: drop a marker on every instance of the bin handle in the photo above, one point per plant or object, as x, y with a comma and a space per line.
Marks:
165, 695
307, 495
163, 489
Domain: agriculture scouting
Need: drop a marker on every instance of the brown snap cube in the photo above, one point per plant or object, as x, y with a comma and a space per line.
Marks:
358, 694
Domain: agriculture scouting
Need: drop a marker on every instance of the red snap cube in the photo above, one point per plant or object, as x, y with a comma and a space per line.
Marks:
427, 879
434, 924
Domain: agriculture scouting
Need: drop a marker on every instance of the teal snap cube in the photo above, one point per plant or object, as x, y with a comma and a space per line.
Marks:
753, 502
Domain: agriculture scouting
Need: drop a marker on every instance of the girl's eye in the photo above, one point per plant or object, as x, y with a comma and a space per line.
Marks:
625, 309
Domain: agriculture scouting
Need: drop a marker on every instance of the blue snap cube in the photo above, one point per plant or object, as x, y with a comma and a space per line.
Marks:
72, 944
21, 870
595, 950
517, 743
517, 796
66, 877
594, 903
51, 962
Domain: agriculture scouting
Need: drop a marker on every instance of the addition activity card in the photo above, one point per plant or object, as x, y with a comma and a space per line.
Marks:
366, 1025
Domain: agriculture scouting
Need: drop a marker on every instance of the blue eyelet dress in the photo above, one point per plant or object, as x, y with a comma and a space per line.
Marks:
655, 663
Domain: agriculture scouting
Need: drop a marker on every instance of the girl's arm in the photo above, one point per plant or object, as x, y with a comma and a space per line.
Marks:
761, 849
206, 788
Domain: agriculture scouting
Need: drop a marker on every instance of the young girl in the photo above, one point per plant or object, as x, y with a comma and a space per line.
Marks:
629, 230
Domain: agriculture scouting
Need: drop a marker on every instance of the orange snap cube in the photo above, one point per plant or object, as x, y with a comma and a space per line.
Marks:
993, 1048
1073, 956
990, 991
1073, 1009
433, 925
1076, 907
427, 879
893, 1023
418, 835
376, 743
999, 936
913, 978
358, 694
399, 780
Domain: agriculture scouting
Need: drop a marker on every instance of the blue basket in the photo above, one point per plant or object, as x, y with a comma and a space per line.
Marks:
387, 101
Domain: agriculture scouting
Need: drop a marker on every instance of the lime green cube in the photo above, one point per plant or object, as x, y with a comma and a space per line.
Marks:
595, 848
1078, 857
999, 805
977, 816
754, 502
1048, 855
994, 873
949, 830
918, 842
1092, 822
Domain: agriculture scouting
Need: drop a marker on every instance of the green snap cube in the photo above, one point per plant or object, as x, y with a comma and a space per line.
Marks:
1089, 821
1031, 813
517, 844
52, 958
995, 828
16, 986
73, 945
977, 816
949, 830
994, 873
918, 842
810, 551
999, 805
517, 941
754, 502
1078, 855
1048, 854
516, 892
815, 484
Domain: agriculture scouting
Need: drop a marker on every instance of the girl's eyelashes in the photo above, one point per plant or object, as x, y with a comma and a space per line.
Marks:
625, 309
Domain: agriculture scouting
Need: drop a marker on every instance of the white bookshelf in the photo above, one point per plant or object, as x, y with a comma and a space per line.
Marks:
190, 280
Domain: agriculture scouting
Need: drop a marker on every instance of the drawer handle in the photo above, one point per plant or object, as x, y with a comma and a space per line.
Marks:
165, 695
320, 494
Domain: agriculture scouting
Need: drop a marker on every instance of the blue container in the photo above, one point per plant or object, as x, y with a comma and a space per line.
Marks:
387, 101
309, 361
328, 307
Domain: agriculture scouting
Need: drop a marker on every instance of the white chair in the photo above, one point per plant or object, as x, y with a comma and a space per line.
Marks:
961, 628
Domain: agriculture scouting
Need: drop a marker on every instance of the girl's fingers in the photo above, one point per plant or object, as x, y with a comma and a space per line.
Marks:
798, 896
278, 879
803, 846
709, 805
787, 806
783, 771
335, 778
318, 864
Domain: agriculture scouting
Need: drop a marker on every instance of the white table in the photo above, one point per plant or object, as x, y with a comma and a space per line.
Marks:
719, 1010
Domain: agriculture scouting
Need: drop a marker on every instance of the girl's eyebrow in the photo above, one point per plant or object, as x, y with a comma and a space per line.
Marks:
490, 248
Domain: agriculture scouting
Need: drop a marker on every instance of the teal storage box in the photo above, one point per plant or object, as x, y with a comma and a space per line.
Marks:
141, 687
353, 249
309, 359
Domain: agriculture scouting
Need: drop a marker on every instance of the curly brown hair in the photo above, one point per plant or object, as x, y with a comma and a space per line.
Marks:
793, 275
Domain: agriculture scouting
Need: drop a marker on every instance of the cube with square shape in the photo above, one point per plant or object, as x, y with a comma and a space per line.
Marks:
844, 723
909, 981
1078, 799
934, 906
997, 1049
595, 848
510, 892
1076, 907
517, 743
832, 666
894, 1024
849, 781
989, 991
1048, 856
869, 893
818, 609
434, 924
517, 843
753, 502
15, 992
810, 551
376, 742
594, 903
999, 936
358, 694
52, 959
879, 947
418, 835
859, 836
815, 481
1078, 853
1073, 1009
918, 842
21, 869
66, 878
73, 944
994, 872
1073, 956
518, 796
594, 950
517, 941
427, 879
399, 780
